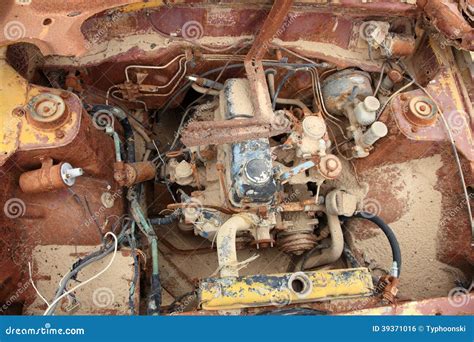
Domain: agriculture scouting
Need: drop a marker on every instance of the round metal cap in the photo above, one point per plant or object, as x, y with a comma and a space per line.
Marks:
314, 127
257, 171
47, 111
421, 111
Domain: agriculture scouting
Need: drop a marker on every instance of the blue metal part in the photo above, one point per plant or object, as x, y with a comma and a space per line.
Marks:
251, 168
285, 177
252, 172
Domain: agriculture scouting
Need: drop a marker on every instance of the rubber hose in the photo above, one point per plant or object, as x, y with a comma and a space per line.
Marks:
129, 139
392, 239
168, 219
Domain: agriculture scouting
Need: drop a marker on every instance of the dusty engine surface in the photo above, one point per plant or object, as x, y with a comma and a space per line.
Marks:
256, 156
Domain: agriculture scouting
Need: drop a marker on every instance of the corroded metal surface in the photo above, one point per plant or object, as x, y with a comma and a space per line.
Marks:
262, 125
96, 43
60, 215
445, 88
53, 25
282, 289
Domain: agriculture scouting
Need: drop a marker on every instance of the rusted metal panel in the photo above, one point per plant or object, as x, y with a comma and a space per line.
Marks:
53, 25
261, 125
452, 103
448, 19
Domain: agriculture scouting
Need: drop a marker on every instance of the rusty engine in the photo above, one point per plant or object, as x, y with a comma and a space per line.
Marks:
236, 158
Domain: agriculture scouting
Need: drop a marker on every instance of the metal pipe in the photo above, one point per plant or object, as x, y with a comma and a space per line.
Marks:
295, 102
205, 91
333, 253
139, 217
153, 67
226, 243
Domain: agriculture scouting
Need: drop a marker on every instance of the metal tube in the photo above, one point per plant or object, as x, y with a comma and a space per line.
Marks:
226, 243
333, 253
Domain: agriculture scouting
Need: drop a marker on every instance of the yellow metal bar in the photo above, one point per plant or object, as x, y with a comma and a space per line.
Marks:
13, 93
283, 289
146, 4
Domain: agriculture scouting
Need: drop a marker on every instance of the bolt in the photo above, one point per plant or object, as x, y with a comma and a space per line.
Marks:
59, 134
19, 111
331, 165
65, 95
395, 76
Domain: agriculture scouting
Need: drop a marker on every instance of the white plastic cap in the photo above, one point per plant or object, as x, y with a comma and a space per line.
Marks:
374, 133
371, 103
69, 174
314, 127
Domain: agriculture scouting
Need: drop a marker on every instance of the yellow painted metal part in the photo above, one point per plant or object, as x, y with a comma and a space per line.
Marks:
144, 4
16, 133
13, 93
283, 289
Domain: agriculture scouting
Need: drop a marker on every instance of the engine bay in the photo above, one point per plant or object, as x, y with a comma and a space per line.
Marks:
241, 158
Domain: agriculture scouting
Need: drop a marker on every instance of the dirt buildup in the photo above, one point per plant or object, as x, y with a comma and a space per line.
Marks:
412, 188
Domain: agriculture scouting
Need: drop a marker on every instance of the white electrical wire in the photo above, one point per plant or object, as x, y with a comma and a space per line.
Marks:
34, 286
88, 280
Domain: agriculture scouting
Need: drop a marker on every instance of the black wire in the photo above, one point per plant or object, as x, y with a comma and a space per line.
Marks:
189, 83
309, 253
350, 257
230, 66
167, 219
280, 86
